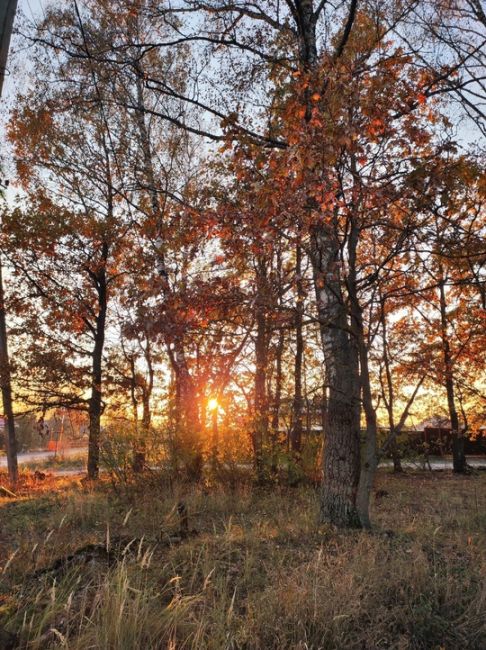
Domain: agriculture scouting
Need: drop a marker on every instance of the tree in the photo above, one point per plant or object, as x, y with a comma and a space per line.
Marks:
451, 240
68, 244
7, 15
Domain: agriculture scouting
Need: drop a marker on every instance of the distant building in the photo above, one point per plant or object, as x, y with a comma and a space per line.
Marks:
435, 434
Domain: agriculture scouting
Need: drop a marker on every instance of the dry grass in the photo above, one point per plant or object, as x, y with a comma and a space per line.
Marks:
259, 574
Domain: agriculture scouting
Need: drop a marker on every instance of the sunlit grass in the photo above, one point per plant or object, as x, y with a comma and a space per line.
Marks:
259, 573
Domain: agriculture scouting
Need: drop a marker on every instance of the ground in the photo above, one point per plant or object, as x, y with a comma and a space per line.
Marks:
115, 566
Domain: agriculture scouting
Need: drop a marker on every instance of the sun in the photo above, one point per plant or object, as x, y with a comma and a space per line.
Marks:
213, 404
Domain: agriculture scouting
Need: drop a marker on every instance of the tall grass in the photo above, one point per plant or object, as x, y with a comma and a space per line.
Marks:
258, 575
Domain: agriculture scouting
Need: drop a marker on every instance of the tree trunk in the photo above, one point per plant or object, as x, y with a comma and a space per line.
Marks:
389, 395
133, 394
96, 399
187, 394
341, 463
139, 457
458, 455
214, 433
187, 413
296, 432
148, 386
260, 404
397, 461
369, 460
277, 398
341, 459
6, 385
138, 460
7, 15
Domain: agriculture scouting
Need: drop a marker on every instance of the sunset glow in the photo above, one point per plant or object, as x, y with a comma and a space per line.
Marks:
213, 404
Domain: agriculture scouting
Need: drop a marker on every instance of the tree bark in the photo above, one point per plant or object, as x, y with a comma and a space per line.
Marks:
341, 462
277, 397
96, 399
369, 460
6, 385
133, 394
296, 432
7, 15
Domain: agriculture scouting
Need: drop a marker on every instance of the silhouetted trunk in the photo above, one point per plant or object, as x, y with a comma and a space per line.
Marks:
148, 387
96, 400
6, 386
214, 433
296, 432
277, 398
138, 460
146, 410
388, 393
188, 423
174, 400
396, 458
458, 455
139, 457
260, 404
133, 392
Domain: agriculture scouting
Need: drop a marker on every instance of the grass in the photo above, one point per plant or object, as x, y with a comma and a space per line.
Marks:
259, 573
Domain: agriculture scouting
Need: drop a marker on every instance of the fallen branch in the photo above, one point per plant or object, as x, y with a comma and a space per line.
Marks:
8, 492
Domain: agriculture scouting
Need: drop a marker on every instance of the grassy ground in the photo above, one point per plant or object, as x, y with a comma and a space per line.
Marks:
83, 568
